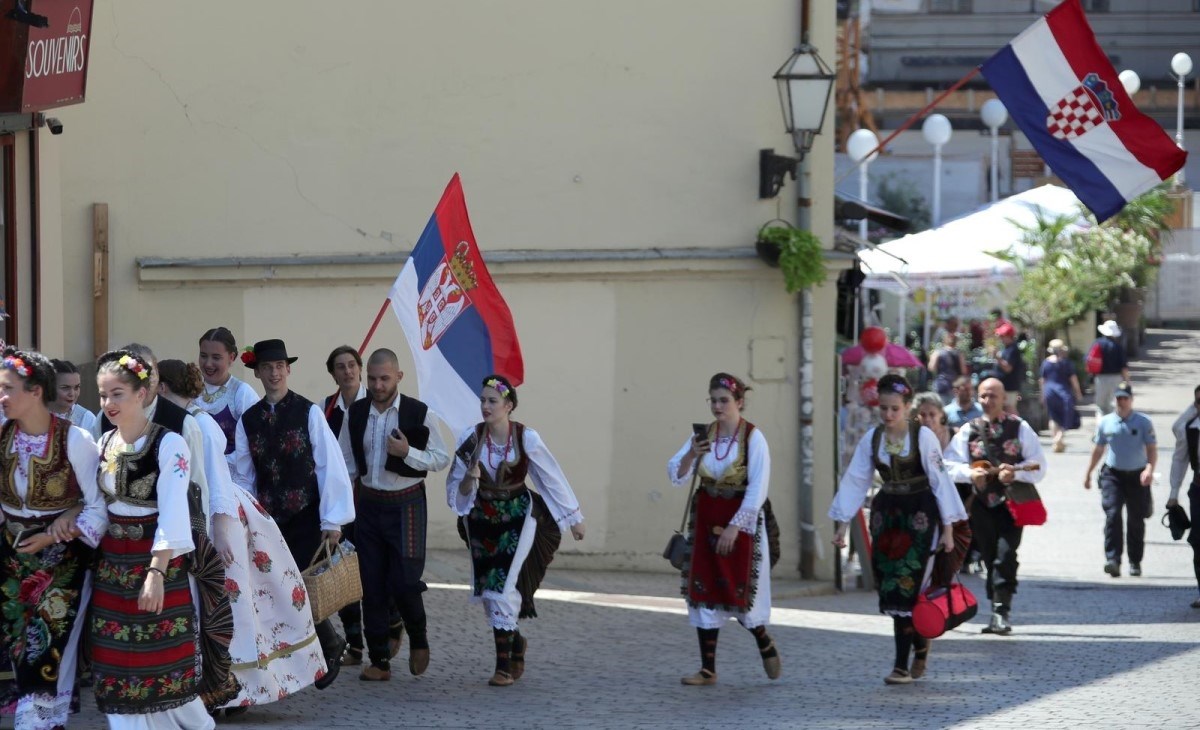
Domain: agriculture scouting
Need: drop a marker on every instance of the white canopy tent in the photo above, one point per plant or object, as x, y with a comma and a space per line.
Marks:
958, 254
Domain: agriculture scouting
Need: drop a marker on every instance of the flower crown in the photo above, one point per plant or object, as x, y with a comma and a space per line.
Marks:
135, 366
499, 385
248, 357
901, 388
729, 384
17, 365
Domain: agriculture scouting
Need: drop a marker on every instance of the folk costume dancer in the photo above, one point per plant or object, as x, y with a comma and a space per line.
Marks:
225, 397
512, 531
1005, 441
727, 574
288, 458
394, 444
344, 365
274, 651
1186, 430
1125, 440
54, 517
912, 514
67, 388
142, 580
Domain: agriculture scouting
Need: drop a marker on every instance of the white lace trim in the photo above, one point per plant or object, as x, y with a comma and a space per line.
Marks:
42, 711
745, 520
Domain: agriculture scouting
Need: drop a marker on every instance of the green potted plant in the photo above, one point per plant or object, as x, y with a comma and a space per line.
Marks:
799, 254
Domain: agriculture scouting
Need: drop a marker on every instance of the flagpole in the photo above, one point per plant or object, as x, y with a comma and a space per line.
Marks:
911, 121
362, 348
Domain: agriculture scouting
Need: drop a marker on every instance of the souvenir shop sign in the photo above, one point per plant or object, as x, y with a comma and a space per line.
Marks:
44, 68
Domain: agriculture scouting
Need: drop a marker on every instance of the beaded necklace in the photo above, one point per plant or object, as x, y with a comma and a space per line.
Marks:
214, 396
494, 449
731, 441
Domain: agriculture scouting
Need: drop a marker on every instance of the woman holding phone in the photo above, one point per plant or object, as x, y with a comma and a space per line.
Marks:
913, 513
727, 574
54, 516
511, 530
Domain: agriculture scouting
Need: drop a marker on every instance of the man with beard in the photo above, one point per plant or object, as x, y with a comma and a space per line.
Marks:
288, 457
394, 443
1006, 442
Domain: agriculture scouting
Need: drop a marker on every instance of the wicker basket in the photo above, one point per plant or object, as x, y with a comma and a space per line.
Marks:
337, 586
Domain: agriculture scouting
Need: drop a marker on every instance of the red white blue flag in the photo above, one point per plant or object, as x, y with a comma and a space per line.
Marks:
1063, 93
457, 325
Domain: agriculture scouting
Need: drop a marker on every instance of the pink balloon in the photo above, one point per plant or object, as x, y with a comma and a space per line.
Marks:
873, 339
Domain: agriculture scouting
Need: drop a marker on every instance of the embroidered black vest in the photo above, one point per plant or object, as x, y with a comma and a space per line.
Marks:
996, 443
51, 485
333, 417
903, 470
281, 450
166, 414
411, 419
510, 474
135, 472
737, 476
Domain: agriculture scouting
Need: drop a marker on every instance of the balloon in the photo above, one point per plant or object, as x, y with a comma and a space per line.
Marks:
874, 366
868, 392
873, 339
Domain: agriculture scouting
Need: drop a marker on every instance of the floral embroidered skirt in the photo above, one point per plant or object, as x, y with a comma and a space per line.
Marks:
725, 582
42, 598
275, 651
492, 531
903, 527
141, 662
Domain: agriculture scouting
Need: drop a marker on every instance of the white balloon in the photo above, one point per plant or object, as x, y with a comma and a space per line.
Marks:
874, 366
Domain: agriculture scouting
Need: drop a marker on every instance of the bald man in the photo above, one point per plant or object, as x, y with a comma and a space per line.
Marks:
1006, 442
394, 443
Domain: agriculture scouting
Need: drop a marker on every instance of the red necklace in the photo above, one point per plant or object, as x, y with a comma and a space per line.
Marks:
491, 448
732, 440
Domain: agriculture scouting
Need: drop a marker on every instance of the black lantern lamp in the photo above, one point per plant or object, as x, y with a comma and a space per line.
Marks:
805, 84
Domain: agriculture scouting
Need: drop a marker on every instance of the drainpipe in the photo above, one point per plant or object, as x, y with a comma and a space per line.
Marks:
806, 450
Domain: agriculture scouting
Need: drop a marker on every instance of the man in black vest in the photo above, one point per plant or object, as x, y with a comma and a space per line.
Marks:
394, 443
1004, 441
286, 455
1187, 454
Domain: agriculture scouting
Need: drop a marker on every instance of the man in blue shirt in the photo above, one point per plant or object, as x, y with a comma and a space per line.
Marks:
964, 408
1010, 366
1125, 478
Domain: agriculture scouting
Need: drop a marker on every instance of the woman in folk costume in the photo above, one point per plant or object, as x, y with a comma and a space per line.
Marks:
224, 397
146, 650
54, 517
727, 574
274, 650
511, 530
913, 512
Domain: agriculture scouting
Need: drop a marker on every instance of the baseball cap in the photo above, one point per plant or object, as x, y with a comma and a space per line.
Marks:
1124, 390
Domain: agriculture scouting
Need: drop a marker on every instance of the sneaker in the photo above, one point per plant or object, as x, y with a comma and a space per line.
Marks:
1135, 569
1113, 568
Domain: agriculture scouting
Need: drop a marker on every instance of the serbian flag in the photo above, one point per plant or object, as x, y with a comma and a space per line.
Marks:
1064, 94
457, 325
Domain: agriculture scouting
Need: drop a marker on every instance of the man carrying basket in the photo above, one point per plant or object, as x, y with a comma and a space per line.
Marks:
288, 457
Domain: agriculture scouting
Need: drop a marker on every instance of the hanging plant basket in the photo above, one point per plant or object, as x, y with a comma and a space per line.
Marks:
798, 253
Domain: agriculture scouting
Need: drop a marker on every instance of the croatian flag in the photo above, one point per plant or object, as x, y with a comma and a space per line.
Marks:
1064, 94
457, 325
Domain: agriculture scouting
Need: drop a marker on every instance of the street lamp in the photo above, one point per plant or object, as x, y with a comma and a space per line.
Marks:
937, 131
861, 144
1181, 65
1130, 80
805, 83
994, 116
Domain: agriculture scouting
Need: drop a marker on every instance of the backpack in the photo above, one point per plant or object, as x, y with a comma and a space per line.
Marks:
1095, 359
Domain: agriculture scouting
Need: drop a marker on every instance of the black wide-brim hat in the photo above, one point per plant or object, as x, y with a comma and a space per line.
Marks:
270, 351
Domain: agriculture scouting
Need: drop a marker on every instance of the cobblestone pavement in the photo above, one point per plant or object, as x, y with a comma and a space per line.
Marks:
608, 649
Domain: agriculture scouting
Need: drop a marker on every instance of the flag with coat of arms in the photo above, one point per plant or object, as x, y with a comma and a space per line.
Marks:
457, 325
1064, 94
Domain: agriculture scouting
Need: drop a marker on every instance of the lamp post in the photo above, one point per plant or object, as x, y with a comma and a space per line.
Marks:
805, 83
1181, 65
1130, 80
862, 142
994, 116
937, 130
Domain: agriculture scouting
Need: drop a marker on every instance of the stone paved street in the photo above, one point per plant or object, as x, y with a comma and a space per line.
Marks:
608, 650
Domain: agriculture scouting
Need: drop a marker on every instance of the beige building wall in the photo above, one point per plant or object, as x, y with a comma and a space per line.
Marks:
224, 132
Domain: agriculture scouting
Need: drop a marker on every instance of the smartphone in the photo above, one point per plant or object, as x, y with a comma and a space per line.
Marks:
700, 430
27, 533
396, 433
